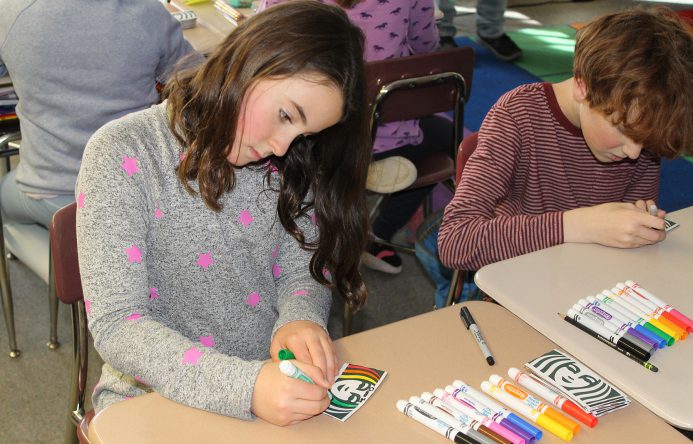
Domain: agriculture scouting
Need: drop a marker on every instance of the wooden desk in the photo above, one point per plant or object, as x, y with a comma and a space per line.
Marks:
420, 354
538, 285
211, 27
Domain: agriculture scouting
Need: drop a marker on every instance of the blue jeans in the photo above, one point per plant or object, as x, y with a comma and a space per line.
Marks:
25, 223
426, 248
489, 18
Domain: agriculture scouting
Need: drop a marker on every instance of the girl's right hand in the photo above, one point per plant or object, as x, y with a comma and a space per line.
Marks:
282, 400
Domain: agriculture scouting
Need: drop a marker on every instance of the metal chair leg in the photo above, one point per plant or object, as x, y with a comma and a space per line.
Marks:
453, 288
78, 381
53, 301
348, 315
7, 306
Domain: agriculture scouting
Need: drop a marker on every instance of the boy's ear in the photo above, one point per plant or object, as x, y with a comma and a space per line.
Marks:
579, 90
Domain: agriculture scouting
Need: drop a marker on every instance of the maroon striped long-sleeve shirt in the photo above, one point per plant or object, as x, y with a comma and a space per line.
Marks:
530, 165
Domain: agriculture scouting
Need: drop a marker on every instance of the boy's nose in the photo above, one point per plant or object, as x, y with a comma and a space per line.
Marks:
632, 150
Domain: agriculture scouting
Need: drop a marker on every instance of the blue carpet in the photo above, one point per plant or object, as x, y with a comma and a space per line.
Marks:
492, 79
675, 184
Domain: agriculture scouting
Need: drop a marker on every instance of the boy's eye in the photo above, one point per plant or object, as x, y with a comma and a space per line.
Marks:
283, 116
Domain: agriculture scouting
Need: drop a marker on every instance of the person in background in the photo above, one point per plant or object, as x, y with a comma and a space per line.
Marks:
489, 28
396, 28
211, 227
578, 160
75, 65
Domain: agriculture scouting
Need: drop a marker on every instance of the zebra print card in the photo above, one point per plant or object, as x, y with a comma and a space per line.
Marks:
577, 382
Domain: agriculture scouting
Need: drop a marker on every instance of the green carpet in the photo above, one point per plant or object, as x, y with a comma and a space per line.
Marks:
548, 51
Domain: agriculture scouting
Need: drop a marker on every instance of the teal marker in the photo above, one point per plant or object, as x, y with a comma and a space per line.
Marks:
285, 354
290, 370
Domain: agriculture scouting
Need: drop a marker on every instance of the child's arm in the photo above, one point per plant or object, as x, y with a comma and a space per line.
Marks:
113, 222
303, 305
615, 224
475, 232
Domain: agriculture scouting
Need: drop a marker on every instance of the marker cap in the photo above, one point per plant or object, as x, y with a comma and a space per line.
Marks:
576, 412
285, 354
554, 427
519, 431
525, 426
561, 419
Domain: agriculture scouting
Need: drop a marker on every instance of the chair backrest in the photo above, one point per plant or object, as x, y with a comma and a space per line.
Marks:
466, 149
420, 85
63, 235
68, 285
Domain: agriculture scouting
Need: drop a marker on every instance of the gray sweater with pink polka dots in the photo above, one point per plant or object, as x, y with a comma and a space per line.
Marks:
180, 299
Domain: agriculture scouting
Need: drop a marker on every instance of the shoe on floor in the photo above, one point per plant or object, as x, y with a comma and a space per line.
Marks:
390, 175
381, 258
447, 42
502, 47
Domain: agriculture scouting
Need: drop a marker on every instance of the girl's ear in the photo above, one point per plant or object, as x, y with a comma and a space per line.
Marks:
579, 90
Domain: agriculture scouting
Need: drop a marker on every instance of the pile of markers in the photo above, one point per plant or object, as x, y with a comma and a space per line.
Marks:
631, 320
465, 415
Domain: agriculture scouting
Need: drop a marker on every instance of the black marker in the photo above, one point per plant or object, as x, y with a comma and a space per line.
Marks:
469, 322
575, 323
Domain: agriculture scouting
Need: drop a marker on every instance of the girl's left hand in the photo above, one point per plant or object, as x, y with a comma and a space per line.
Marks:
310, 343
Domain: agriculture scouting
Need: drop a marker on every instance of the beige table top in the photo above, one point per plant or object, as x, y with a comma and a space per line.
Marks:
211, 26
420, 354
538, 285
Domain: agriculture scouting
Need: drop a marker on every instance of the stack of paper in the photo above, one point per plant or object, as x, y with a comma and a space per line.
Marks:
576, 381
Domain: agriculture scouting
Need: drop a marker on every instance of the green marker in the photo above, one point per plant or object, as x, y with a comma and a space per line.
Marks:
290, 370
285, 354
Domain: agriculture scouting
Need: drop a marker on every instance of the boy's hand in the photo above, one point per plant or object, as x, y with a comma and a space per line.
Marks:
616, 224
310, 344
646, 205
282, 400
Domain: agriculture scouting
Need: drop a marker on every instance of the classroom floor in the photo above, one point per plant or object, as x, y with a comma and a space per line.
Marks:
33, 388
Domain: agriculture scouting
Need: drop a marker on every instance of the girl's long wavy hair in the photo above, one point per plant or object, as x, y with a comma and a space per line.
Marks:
326, 174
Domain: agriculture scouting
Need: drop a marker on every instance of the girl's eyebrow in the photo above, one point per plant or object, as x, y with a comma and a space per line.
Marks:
301, 113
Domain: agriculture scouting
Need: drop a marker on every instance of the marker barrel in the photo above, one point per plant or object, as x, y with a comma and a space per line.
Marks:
614, 329
683, 319
493, 405
290, 370
463, 407
559, 401
621, 342
434, 424
649, 308
541, 419
645, 314
617, 323
606, 298
449, 420
533, 402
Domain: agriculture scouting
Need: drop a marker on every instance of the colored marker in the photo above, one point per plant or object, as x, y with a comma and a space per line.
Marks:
619, 317
464, 418
652, 209
492, 414
594, 334
639, 304
494, 406
473, 413
617, 331
534, 402
606, 297
290, 370
620, 341
619, 325
684, 321
528, 412
285, 354
656, 311
433, 423
559, 401
445, 415
644, 314
470, 324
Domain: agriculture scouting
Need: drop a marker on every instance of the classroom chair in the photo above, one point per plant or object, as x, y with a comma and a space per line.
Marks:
413, 87
465, 150
9, 146
68, 285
